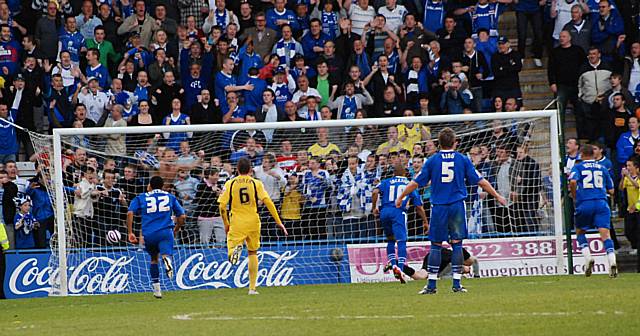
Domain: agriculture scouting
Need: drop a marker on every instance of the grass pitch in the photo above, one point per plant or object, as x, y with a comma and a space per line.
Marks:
568, 305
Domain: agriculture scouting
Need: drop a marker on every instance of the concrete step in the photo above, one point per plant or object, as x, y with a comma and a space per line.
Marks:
535, 87
508, 19
533, 75
538, 95
512, 32
628, 263
513, 41
536, 103
529, 64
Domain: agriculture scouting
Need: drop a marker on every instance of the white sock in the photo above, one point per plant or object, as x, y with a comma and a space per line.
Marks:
586, 253
612, 258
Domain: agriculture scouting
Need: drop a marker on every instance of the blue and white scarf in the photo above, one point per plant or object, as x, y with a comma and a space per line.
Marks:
369, 180
363, 63
221, 19
352, 186
286, 51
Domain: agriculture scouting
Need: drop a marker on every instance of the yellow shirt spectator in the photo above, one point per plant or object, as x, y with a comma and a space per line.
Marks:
323, 147
412, 134
292, 205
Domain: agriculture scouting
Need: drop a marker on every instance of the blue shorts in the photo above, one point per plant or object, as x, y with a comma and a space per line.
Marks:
159, 241
394, 223
448, 222
592, 214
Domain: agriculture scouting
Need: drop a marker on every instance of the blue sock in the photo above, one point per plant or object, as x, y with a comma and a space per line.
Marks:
582, 241
402, 253
155, 273
608, 245
456, 263
391, 252
435, 257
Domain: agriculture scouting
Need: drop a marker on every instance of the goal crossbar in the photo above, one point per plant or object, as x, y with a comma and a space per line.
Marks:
306, 124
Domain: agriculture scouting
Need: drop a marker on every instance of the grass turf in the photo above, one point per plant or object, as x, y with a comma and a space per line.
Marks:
567, 305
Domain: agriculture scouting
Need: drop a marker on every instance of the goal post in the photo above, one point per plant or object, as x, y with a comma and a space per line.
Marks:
536, 130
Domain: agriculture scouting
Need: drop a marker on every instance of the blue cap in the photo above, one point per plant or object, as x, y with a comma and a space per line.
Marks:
503, 39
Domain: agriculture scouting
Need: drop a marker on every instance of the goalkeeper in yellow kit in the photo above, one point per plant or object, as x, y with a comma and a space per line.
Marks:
242, 224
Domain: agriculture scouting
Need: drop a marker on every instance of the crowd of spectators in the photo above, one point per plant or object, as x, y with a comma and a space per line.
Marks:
121, 63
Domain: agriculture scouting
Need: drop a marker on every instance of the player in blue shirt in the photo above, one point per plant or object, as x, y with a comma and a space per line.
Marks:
156, 208
449, 173
394, 220
589, 183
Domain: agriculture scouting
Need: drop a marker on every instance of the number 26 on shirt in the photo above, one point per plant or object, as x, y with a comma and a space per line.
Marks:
592, 179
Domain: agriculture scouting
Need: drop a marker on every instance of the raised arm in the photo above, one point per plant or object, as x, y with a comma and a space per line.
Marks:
413, 185
179, 223
423, 215
223, 201
132, 237
266, 200
573, 186
486, 186
374, 201
368, 100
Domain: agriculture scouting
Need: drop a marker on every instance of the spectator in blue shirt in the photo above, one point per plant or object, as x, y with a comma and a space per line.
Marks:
607, 32
313, 41
9, 57
97, 70
71, 40
226, 82
42, 210
454, 98
9, 144
279, 16
253, 98
247, 59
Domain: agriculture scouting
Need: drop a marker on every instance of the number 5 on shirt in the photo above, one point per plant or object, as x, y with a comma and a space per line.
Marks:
447, 172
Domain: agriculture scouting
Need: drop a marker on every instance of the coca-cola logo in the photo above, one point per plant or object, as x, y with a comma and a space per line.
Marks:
94, 275
196, 272
101, 274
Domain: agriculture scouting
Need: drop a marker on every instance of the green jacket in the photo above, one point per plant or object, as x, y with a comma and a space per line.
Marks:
107, 53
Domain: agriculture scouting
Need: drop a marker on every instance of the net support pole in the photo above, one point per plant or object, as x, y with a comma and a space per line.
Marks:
566, 211
60, 214
558, 214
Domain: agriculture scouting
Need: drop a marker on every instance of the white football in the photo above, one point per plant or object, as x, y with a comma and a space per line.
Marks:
113, 236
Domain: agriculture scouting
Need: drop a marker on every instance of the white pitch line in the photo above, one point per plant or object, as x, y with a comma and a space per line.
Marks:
199, 316
206, 316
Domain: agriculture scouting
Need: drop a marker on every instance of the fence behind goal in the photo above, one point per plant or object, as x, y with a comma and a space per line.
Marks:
320, 175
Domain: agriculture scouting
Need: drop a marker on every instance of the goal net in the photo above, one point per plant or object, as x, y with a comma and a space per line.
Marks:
320, 175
